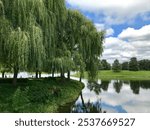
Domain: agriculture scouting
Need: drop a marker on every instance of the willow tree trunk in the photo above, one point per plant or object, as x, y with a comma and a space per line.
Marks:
53, 71
62, 74
36, 74
68, 74
15, 76
40, 74
80, 78
3, 74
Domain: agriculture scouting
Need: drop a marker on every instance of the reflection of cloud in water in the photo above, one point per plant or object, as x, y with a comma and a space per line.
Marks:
123, 101
113, 109
139, 106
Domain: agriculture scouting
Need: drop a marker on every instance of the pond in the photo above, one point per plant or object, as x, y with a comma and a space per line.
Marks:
113, 96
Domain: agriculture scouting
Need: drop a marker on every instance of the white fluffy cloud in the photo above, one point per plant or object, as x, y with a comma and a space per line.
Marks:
129, 43
115, 48
135, 35
114, 11
100, 27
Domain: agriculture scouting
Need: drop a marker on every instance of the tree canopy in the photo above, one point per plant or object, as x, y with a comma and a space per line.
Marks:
125, 66
104, 65
116, 67
133, 64
43, 35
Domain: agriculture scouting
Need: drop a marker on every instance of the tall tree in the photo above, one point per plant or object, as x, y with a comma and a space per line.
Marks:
91, 47
18, 47
144, 64
105, 65
133, 64
125, 66
116, 67
73, 39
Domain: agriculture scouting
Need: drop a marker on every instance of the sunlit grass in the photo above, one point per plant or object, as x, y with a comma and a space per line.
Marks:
123, 75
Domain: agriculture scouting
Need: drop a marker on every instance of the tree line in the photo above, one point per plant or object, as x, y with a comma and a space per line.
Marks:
132, 65
44, 36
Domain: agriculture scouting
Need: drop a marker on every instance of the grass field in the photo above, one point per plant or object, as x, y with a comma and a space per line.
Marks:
123, 75
42, 95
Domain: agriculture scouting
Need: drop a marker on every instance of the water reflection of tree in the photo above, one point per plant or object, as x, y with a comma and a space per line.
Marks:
94, 86
145, 84
89, 107
135, 86
126, 82
117, 85
104, 85
97, 88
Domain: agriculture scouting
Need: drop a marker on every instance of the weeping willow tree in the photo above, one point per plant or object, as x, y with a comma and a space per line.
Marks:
58, 46
73, 39
5, 29
37, 51
42, 35
91, 47
18, 50
30, 15
24, 46
84, 42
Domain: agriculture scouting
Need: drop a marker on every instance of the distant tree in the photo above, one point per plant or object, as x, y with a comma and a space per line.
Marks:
125, 66
133, 64
116, 67
104, 65
144, 64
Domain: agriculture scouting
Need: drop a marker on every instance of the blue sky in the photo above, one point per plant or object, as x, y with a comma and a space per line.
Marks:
127, 23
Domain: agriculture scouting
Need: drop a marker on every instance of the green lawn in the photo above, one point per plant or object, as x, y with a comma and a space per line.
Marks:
123, 75
42, 95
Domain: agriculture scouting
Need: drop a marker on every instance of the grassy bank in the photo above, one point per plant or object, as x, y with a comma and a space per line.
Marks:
42, 95
123, 75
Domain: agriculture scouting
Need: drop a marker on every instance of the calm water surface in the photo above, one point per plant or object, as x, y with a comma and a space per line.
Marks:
114, 97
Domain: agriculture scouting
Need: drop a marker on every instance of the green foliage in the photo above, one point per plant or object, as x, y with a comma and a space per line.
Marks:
5, 30
104, 65
125, 66
116, 67
1, 9
20, 100
18, 48
144, 64
38, 94
133, 64
43, 35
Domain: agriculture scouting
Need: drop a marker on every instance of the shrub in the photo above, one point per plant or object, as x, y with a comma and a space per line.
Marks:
38, 94
20, 100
